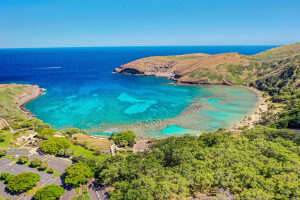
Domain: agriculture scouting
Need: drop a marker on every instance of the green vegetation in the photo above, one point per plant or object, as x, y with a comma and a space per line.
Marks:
4, 143
54, 145
89, 155
2, 152
49, 192
9, 109
23, 159
262, 161
78, 173
6, 177
39, 164
123, 139
22, 182
84, 196
46, 133
210, 75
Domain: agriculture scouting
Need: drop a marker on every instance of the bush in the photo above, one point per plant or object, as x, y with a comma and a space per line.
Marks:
23, 159
5, 129
2, 152
73, 131
2, 138
36, 162
65, 153
23, 182
43, 166
49, 192
50, 171
54, 145
79, 158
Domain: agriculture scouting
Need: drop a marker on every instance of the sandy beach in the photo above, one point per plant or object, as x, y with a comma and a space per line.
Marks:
254, 117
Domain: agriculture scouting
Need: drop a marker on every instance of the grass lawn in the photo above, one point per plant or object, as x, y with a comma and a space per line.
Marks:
5, 143
78, 150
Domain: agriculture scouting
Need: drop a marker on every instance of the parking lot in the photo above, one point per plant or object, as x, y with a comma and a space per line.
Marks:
10, 167
59, 164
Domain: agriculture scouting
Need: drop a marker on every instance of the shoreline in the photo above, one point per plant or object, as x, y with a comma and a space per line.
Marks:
251, 119
34, 91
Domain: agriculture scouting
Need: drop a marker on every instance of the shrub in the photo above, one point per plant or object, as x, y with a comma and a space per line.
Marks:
54, 145
50, 171
79, 158
43, 166
23, 159
73, 131
23, 182
49, 192
65, 153
2, 152
36, 162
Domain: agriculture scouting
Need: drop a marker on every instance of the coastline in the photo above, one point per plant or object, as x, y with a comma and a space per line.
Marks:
250, 120
41, 91
31, 92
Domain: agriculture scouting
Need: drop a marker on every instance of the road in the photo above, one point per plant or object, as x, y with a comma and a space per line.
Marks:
97, 192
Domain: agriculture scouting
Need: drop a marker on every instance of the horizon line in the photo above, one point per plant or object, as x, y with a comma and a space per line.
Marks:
143, 46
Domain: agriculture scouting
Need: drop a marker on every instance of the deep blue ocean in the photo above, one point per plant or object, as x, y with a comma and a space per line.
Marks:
83, 92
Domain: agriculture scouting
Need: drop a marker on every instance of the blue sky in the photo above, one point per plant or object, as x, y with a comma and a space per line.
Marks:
67, 23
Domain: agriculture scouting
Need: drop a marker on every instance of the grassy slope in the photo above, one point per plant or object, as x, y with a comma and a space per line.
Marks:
8, 107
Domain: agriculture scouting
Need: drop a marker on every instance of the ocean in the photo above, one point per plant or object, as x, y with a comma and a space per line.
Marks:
82, 91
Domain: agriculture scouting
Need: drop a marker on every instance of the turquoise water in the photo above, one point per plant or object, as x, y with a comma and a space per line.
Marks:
83, 92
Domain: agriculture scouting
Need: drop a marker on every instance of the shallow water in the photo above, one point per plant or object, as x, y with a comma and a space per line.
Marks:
83, 92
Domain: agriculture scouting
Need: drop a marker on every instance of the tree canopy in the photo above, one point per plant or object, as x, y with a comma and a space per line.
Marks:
78, 173
125, 138
23, 182
54, 145
49, 192
262, 161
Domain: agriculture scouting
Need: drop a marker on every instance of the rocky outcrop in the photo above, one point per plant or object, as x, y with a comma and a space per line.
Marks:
30, 92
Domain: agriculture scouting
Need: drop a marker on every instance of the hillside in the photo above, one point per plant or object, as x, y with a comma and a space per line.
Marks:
221, 69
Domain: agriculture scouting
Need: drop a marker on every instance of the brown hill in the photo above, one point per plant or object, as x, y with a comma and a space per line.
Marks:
198, 68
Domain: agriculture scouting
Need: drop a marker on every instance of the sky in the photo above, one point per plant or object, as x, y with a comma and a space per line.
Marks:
78, 23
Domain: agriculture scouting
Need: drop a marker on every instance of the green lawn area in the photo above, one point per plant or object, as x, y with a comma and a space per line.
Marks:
5, 143
78, 150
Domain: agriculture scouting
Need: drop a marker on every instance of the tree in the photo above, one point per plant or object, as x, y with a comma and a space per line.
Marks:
65, 152
73, 131
36, 162
2, 152
125, 138
49, 192
78, 173
46, 133
6, 177
54, 145
23, 182
23, 159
